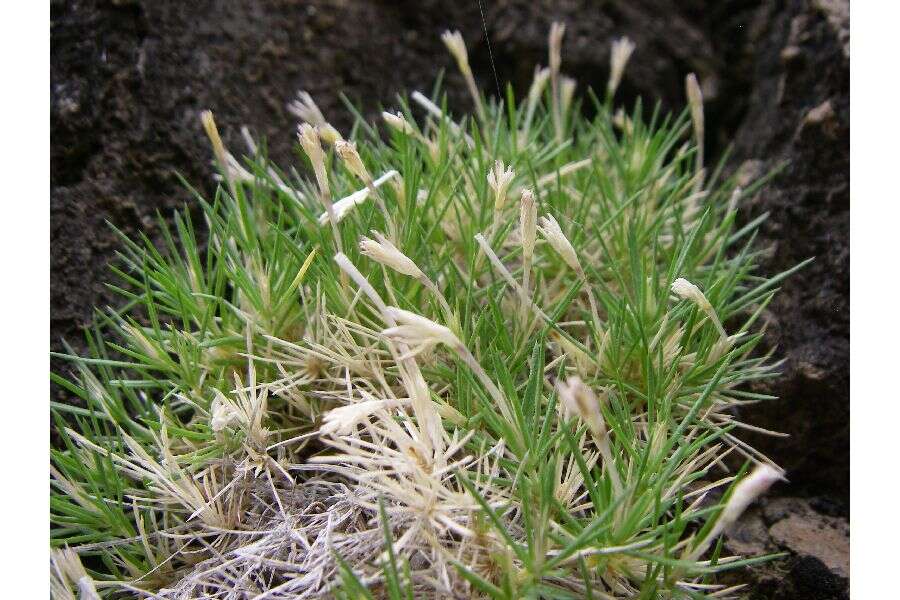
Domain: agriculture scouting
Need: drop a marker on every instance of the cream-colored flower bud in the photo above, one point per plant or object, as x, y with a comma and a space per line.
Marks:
622, 49
212, 132
557, 31
499, 178
686, 290
305, 109
528, 222
398, 122
309, 141
347, 152
695, 100
457, 47
749, 489
581, 400
383, 251
552, 232
417, 330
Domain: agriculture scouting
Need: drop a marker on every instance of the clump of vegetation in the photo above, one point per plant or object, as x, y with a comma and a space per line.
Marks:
495, 357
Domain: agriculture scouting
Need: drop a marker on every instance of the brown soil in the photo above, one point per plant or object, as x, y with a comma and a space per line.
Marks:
129, 78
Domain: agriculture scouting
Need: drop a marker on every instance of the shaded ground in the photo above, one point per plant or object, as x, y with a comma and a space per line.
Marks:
129, 78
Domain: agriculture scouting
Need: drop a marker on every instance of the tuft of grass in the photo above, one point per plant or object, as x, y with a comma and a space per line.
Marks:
495, 356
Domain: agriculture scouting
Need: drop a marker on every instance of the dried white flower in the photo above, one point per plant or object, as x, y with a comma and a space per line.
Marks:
209, 124
552, 232
398, 122
386, 253
557, 31
342, 420
695, 103
457, 47
309, 141
222, 415
695, 100
686, 290
212, 132
416, 330
499, 178
307, 111
749, 489
347, 152
527, 235
581, 400
622, 49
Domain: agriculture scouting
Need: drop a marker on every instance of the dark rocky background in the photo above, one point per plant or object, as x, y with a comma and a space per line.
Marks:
129, 78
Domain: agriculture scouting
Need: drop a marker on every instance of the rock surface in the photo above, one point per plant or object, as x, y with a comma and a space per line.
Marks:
817, 544
129, 78
798, 115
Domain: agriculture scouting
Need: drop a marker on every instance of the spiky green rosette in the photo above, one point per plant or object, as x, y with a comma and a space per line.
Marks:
492, 357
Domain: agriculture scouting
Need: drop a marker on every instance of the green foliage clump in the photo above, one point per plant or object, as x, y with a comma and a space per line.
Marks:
497, 357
